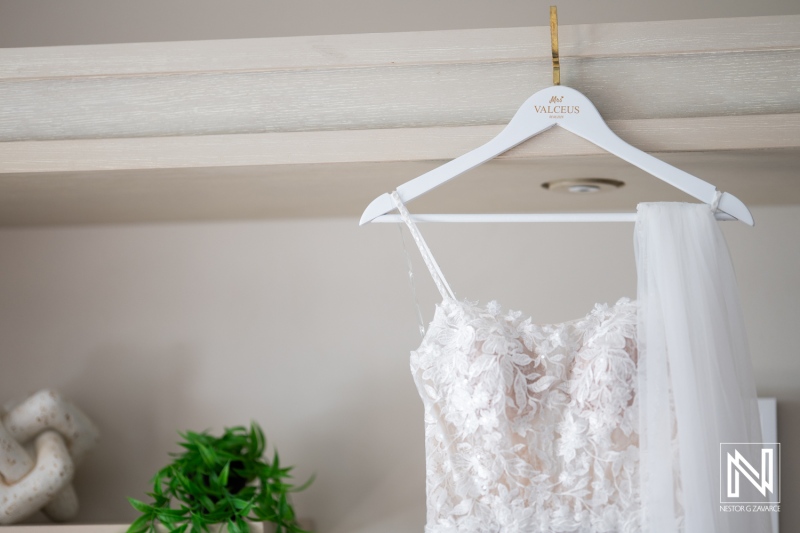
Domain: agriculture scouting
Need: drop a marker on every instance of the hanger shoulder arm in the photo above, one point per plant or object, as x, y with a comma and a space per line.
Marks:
682, 180
511, 136
504, 141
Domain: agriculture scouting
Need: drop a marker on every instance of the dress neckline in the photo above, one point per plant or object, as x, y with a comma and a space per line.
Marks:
495, 310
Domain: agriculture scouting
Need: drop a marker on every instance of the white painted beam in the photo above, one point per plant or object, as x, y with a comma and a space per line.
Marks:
671, 69
317, 126
705, 134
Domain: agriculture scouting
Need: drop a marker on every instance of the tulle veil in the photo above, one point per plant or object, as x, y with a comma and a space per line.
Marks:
694, 362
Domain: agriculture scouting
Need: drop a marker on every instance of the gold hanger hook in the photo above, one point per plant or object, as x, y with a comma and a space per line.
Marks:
554, 45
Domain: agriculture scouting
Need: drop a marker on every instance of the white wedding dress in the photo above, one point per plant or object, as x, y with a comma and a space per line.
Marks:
536, 428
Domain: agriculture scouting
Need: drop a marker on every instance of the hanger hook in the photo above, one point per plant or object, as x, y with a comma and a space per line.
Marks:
554, 45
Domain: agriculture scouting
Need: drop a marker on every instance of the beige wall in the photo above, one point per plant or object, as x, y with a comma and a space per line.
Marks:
305, 326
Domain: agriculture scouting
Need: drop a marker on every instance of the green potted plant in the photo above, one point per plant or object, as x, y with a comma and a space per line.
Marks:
219, 483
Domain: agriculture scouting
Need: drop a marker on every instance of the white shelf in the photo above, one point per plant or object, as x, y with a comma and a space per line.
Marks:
250, 128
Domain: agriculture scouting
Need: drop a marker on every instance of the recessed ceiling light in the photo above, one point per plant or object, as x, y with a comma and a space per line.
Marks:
583, 185
583, 188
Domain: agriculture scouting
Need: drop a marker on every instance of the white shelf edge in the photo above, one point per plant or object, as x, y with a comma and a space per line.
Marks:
704, 134
403, 48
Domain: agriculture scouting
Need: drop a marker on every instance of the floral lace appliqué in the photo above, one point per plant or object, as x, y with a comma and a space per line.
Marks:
530, 428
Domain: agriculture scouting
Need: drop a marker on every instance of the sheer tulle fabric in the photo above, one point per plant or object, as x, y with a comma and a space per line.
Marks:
696, 387
536, 428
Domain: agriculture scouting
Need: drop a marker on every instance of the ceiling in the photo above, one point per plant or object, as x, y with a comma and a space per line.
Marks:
69, 22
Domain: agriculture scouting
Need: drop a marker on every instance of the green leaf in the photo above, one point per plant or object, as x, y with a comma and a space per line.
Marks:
220, 479
140, 506
223, 476
140, 525
209, 457
197, 523
305, 485
276, 461
238, 503
207, 503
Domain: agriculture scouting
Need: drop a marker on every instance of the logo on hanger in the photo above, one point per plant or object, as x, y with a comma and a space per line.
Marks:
749, 473
557, 111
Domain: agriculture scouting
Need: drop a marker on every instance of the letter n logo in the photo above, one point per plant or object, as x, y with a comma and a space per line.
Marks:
749, 472
739, 465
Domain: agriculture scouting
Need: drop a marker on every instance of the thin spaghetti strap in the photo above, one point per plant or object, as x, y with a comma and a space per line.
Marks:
427, 256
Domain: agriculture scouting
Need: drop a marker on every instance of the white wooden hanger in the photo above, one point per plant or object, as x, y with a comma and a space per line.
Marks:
554, 106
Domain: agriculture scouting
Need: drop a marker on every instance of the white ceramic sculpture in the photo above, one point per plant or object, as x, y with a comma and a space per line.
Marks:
42, 439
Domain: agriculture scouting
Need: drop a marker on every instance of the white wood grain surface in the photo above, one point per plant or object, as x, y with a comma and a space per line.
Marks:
317, 126
411, 80
392, 49
459, 94
705, 134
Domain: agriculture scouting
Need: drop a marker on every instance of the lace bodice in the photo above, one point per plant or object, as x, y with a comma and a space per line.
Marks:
528, 428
